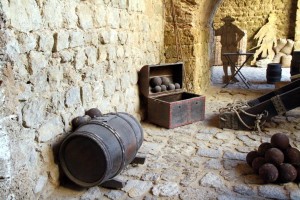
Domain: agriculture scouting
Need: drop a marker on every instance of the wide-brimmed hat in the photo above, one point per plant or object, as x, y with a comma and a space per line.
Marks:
228, 19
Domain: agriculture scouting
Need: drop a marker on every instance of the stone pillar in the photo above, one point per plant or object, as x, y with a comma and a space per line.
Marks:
194, 24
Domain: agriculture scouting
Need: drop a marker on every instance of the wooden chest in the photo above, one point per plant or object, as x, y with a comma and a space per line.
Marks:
169, 108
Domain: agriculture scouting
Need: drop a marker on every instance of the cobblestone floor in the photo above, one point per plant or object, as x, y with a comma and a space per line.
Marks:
201, 161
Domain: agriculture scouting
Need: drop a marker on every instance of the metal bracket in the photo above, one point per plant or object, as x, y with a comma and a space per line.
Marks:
278, 104
113, 184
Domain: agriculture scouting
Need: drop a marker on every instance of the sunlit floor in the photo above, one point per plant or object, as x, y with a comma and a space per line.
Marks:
256, 76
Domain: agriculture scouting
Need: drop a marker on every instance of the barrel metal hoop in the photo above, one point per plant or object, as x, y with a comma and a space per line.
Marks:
139, 125
278, 104
107, 157
137, 142
119, 140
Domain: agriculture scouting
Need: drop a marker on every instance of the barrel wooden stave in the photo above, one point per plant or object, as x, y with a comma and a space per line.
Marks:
273, 74
295, 64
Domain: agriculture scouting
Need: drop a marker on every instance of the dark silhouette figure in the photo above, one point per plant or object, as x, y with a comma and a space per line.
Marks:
230, 37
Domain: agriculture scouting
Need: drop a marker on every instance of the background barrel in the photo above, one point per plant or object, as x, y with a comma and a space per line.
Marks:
99, 150
273, 73
295, 64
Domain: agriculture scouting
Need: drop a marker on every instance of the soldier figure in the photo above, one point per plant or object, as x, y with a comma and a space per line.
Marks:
230, 37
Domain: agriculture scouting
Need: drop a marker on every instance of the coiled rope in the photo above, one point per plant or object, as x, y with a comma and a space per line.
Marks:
239, 107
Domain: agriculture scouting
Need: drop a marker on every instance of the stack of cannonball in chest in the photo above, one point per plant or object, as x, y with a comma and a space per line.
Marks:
276, 161
161, 84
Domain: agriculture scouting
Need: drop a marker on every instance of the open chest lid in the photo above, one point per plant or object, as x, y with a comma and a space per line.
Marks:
157, 80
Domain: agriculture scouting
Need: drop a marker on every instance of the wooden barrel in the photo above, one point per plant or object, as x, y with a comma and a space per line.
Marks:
274, 73
99, 150
295, 64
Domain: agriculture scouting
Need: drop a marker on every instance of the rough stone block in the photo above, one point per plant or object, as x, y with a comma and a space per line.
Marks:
98, 92
33, 113
115, 195
212, 179
133, 5
84, 13
52, 14
124, 22
27, 15
40, 184
168, 189
272, 192
37, 61
55, 76
61, 40
120, 51
123, 37
69, 14
244, 190
46, 42
136, 188
66, 55
109, 87
112, 54
235, 156
80, 59
295, 195
76, 39
92, 193
27, 42
73, 97
86, 95
92, 38
197, 193
113, 18
100, 16
209, 153
50, 129
57, 101
91, 53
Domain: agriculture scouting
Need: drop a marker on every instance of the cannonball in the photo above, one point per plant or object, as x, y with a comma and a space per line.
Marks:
280, 140
77, 121
274, 156
93, 112
155, 81
177, 86
157, 88
163, 88
292, 156
287, 173
298, 173
251, 156
257, 163
171, 86
268, 172
264, 147
165, 80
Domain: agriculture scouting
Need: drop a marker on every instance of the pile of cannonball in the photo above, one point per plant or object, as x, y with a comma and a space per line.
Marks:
276, 161
161, 84
89, 114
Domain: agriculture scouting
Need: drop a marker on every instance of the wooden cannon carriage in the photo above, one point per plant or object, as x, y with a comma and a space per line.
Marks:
253, 114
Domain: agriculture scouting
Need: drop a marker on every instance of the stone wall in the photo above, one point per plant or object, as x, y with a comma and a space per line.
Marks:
194, 20
58, 59
297, 31
252, 15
